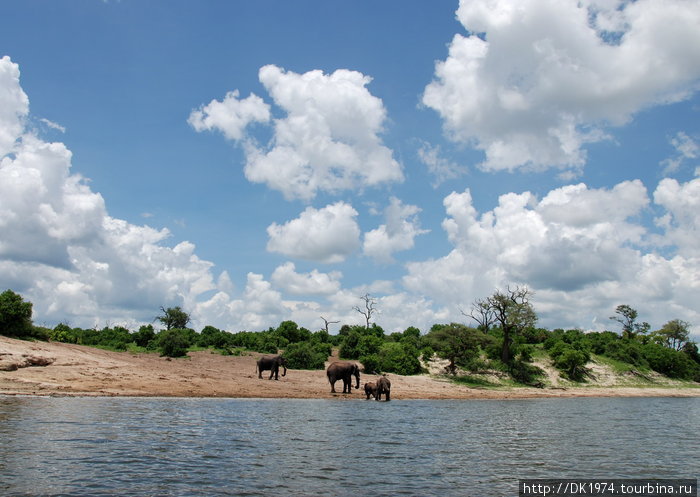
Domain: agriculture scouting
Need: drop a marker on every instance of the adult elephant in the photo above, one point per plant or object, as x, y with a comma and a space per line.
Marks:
383, 387
271, 363
343, 370
371, 389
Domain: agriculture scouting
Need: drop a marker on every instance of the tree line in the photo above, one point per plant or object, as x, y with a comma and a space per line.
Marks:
503, 338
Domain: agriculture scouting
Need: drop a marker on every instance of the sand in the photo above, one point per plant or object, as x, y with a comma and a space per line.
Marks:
59, 369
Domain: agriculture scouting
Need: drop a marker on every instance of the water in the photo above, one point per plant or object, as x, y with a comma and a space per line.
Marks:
225, 447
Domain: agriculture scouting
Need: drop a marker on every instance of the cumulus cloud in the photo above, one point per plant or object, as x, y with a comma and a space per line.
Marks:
326, 235
14, 106
397, 234
328, 140
580, 249
312, 283
60, 247
680, 222
231, 115
533, 81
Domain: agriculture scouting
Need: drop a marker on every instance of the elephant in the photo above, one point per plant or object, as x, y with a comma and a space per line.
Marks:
273, 363
383, 387
371, 389
343, 370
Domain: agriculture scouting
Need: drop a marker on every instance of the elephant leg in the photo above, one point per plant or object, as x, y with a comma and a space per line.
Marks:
333, 386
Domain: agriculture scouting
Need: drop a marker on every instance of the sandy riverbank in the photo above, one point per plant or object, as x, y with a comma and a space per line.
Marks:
49, 368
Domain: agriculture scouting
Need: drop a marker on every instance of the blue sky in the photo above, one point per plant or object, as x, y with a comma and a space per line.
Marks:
261, 161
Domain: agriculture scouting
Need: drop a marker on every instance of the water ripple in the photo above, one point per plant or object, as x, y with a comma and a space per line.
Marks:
224, 447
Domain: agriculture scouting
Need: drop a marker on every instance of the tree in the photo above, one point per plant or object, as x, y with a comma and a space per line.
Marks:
369, 309
174, 317
627, 317
513, 311
482, 313
326, 323
674, 334
15, 315
457, 343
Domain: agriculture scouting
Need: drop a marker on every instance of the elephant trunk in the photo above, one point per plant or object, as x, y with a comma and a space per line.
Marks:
285, 370
357, 376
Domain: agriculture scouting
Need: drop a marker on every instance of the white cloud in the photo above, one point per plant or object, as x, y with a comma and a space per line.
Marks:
547, 74
397, 234
685, 147
442, 169
326, 235
579, 249
681, 222
312, 283
61, 249
14, 106
328, 141
52, 125
230, 115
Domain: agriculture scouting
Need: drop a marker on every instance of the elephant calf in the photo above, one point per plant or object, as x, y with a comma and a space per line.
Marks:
371, 389
383, 387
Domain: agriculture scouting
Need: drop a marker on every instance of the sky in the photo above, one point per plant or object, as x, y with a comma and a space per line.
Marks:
255, 162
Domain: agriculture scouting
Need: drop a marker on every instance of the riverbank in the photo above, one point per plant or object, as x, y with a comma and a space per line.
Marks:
60, 369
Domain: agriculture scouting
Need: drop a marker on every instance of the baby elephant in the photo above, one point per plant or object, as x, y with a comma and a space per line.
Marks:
383, 387
371, 389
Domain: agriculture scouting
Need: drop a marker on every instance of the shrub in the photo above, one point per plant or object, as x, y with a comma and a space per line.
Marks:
144, 336
173, 342
371, 363
672, 363
304, 355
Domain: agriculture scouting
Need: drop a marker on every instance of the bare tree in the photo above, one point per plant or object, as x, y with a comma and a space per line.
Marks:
482, 313
326, 323
369, 309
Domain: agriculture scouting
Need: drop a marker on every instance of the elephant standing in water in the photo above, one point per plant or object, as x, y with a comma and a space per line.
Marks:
272, 363
343, 370
383, 387
371, 389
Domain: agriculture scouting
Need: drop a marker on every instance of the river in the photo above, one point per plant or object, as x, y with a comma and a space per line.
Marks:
110, 446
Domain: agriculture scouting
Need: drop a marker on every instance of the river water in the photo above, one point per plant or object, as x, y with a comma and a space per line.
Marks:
235, 447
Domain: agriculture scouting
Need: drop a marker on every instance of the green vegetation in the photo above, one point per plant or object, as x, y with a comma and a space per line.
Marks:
505, 343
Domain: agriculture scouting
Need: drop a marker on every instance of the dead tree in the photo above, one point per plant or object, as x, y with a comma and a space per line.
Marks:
369, 309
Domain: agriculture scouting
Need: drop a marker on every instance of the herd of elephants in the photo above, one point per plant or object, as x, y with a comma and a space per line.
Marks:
340, 370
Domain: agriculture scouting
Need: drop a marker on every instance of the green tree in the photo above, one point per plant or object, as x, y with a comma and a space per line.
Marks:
174, 317
627, 317
15, 315
457, 343
514, 313
674, 334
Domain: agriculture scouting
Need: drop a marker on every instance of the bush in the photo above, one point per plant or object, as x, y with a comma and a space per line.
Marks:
672, 363
522, 372
173, 342
371, 363
144, 336
570, 358
304, 355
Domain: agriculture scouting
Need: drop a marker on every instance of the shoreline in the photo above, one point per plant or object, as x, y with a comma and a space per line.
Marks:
53, 369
